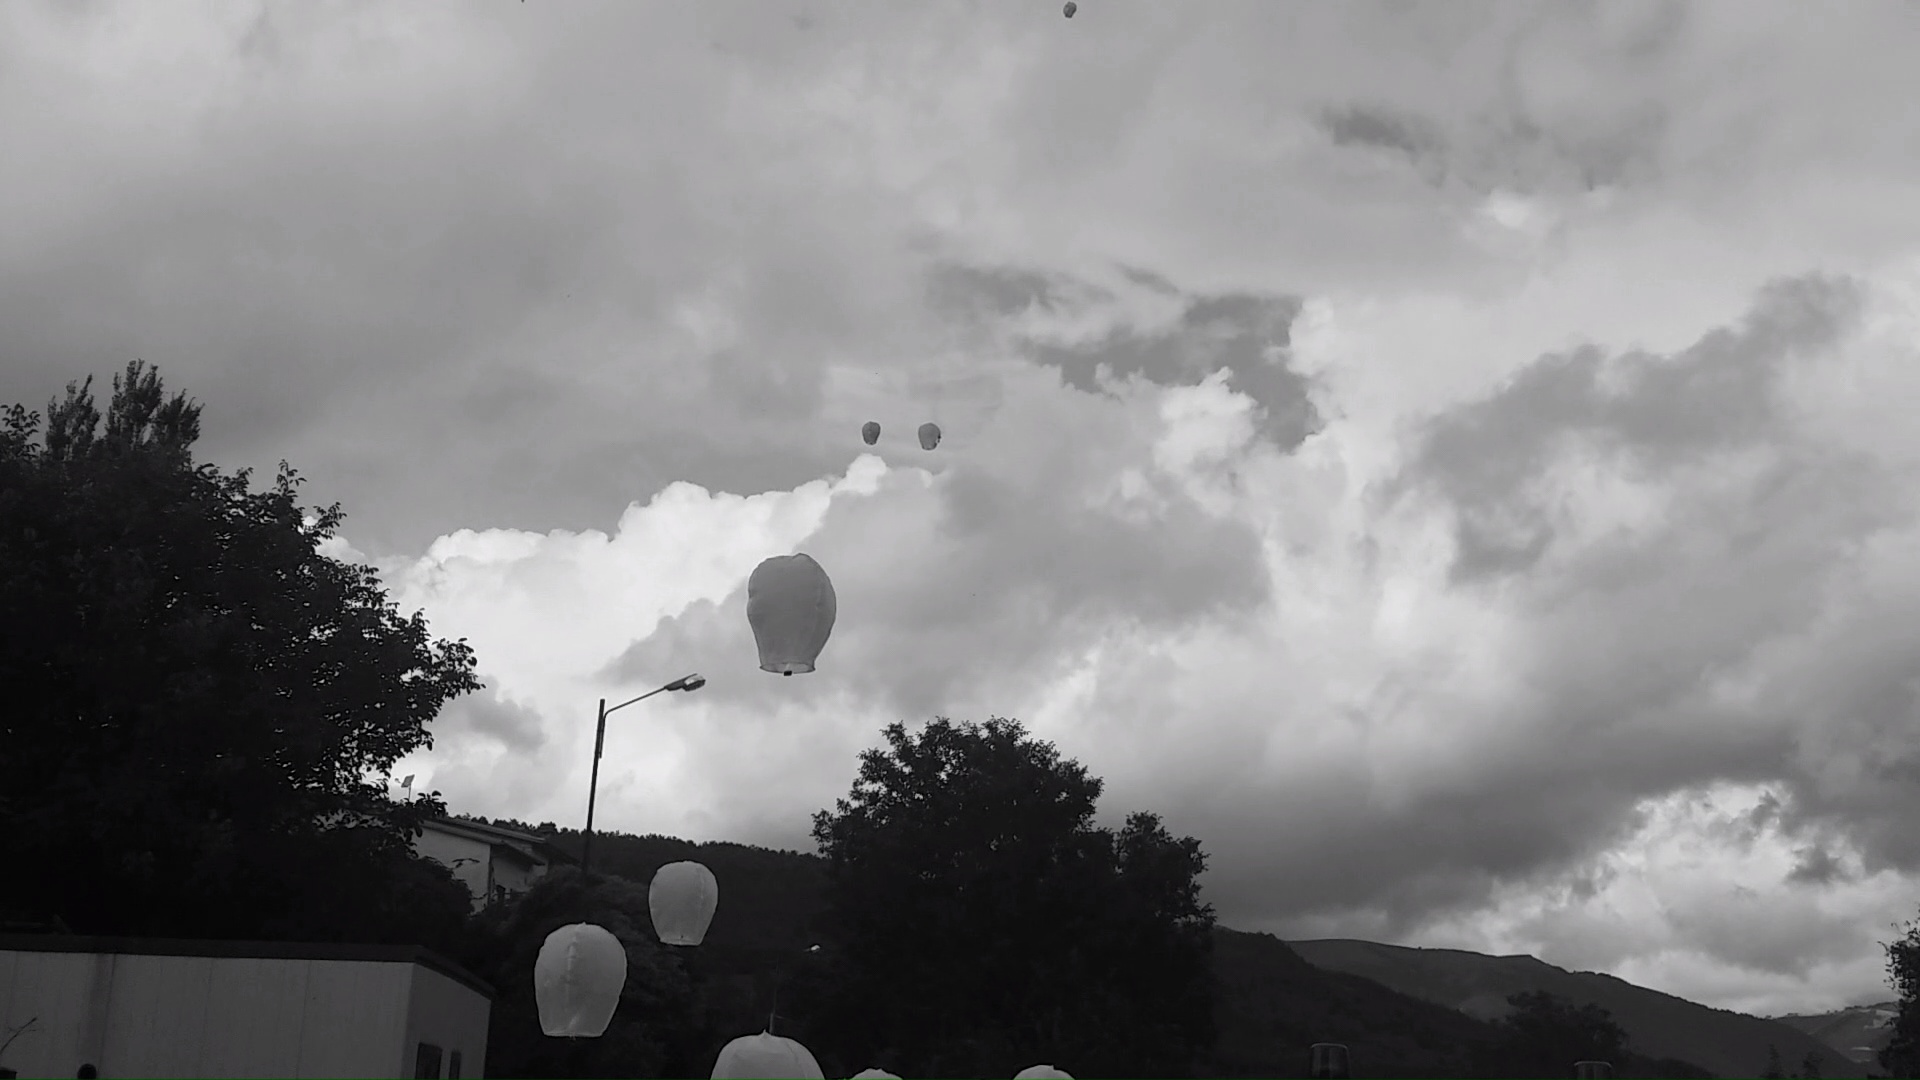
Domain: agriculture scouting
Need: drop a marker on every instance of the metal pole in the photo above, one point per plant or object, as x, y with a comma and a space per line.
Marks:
593, 789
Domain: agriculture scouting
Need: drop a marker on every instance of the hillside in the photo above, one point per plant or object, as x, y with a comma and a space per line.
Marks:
1859, 1032
1273, 1004
1657, 1024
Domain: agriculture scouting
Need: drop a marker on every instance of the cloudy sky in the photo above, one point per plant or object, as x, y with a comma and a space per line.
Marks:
1455, 459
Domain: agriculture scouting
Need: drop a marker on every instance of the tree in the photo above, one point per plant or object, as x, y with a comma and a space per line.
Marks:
1774, 1071
1549, 1034
652, 1032
1901, 1056
980, 922
197, 696
1810, 1066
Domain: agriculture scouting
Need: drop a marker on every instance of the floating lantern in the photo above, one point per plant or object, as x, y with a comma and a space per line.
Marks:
870, 431
765, 1056
929, 435
577, 980
791, 607
681, 900
1041, 1072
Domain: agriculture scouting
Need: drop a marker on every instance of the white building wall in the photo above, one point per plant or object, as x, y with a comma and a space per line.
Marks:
171, 1016
470, 860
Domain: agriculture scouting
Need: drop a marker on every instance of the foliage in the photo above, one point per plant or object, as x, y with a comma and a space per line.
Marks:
1901, 1056
1548, 1034
979, 921
651, 1031
197, 695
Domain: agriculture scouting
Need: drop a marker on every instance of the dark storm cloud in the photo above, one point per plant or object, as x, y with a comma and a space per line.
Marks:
491, 716
1654, 413
1627, 634
1242, 333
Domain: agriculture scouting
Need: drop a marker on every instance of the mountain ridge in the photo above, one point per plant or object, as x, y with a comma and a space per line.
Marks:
1658, 1024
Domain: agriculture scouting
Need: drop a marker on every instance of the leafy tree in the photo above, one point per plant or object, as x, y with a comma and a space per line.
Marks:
652, 1033
1774, 1071
1810, 1066
1901, 1056
197, 696
981, 923
1549, 1034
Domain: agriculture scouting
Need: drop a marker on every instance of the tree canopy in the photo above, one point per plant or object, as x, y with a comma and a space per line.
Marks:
982, 923
1901, 1056
198, 697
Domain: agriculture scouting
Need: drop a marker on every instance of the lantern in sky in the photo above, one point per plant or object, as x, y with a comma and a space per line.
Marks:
870, 431
1041, 1072
765, 1057
1070, 9
929, 435
791, 607
1328, 1061
577, 980
681, 899
874, 1074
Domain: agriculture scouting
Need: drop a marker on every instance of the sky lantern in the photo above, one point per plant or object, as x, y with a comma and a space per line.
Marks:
874, 1074
929, 435
791, 607
681, 899
1041, 1072
1070, 9
870, 431
766, 1056
577, 980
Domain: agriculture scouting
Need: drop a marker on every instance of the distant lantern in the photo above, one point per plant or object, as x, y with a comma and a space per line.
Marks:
1042, 1072
1328, 1061
929, 435
1070, 9
577, 980
682, 898
874, 1074
765, 1057
870, 431
791, 607
1592, 1070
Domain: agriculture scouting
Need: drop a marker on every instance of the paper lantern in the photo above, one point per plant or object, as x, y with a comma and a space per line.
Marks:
1070, 9
577, 980
929, 435
870, 431
791, 607
681, 900
1041, 1072
765, 1057
874, 1074
1328, 1061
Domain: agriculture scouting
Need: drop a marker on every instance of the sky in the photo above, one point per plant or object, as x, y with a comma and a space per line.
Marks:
1452, 458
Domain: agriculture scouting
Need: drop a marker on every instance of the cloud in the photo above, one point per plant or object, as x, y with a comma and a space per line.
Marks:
1453, 459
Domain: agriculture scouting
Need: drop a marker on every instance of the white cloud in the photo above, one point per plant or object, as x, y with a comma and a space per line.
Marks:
1495, 628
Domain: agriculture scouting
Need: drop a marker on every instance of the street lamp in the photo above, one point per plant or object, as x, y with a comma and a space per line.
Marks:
685, 682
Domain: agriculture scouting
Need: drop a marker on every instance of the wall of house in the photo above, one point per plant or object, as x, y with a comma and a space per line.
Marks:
516, 877
451, 1016
161, 1016
469, 859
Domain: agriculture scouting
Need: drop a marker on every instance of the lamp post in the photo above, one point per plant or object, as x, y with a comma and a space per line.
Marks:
685, 682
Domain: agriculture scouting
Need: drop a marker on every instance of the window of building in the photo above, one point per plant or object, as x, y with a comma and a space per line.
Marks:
426, 1062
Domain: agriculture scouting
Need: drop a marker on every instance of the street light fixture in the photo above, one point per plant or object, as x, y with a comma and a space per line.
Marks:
685, 682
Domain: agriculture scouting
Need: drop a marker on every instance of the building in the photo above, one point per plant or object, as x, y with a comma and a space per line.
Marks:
494, 863
152, 1008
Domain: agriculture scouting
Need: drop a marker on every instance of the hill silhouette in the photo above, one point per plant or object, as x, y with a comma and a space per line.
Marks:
1658, 1025
1273, 1004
